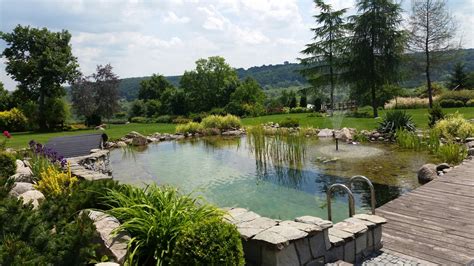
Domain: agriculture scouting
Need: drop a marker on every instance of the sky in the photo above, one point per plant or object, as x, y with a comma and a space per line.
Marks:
141, 37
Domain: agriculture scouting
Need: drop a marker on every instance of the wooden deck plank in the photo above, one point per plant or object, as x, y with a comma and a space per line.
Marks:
434, 222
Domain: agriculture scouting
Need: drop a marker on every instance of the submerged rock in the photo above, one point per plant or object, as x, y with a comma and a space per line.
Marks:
427, 173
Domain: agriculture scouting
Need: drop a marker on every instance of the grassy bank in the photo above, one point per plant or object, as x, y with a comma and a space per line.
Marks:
420, 117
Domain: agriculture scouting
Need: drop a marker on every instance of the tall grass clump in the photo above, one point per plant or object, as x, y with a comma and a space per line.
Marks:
189, 128
156, 217
407, 103
409, 140
221, 122
452, 153
454, 126
279, 148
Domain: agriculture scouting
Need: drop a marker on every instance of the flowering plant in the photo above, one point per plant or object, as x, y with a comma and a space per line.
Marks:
43, 158
3, 143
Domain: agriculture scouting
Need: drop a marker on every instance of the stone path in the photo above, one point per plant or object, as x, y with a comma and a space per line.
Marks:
434, 222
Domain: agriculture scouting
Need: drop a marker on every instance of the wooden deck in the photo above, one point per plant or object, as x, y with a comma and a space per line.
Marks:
434, 222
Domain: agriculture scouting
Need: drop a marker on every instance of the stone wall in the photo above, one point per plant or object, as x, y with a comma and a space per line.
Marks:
306, 240
94, 166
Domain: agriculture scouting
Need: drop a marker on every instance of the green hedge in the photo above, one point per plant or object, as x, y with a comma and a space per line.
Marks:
463, 96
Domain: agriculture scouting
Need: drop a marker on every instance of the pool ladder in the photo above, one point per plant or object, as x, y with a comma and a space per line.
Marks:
348, 190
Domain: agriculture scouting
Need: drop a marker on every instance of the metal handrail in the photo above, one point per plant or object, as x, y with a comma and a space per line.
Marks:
350, 196
371, 187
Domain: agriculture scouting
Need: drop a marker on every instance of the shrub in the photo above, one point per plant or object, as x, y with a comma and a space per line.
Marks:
7, 165
435, 114
28, 238
181, 120
290, 122
463, 96
139, 119
449, 103
163, 119
54, 182
299, 109
155, 217
198, 117
395, 120
316, 114
359, 114
211, 242
221, 122
452, 153
13, 120
190, 128
470, 103
454, 126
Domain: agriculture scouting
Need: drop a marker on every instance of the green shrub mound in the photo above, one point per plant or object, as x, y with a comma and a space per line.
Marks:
435, 114
156, 217
450, 103
289, 122
212, 242
470, 103
7, 165
190, 128
454, 126
395, 120
462, 96
13, 120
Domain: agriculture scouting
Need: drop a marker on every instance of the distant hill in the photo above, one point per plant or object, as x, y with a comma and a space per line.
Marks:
287, 75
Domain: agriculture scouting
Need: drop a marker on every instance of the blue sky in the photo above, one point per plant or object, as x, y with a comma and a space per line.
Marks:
141, 37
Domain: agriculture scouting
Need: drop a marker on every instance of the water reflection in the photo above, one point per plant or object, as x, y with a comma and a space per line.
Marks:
229, 172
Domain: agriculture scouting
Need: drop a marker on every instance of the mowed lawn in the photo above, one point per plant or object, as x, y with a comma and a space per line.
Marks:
420, 117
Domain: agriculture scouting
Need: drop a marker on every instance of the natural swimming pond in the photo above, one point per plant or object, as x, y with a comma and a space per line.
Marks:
225, 172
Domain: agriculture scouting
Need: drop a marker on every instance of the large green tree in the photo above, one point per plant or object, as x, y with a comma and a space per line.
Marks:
432, 29
247, 99
376, 47
40, 61
153, 88
324, 63
96, 96
210, 84
5, 98
458, 79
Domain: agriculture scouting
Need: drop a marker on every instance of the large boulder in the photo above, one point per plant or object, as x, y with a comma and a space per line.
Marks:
427, 173
33, 196
20, 188
344, 134
23, 173
114, 246
326, 133
139, 140
121, 144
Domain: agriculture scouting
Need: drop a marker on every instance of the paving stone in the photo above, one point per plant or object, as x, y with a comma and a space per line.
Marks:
308, 228
251, 228
272, 238
288, 232
371, 218
314, 220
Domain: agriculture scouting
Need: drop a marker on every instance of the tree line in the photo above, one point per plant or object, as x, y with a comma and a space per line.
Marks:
365, 51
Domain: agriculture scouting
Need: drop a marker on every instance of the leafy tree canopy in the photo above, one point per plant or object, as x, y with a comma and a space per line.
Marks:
153, 87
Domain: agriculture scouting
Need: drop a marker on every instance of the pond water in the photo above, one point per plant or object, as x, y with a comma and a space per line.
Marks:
225, 172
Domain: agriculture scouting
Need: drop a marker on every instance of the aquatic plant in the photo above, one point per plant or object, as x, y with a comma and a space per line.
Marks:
155, 217
221, 122
280, 148
409, 140
452, 153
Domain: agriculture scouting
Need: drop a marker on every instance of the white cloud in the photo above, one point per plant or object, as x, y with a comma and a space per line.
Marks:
141, 37
172, 18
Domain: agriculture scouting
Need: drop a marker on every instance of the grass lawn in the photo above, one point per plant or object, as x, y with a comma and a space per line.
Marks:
420, 117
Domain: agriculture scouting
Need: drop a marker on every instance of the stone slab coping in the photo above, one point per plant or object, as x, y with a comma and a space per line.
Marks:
350, 227
342, 234
371, 218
